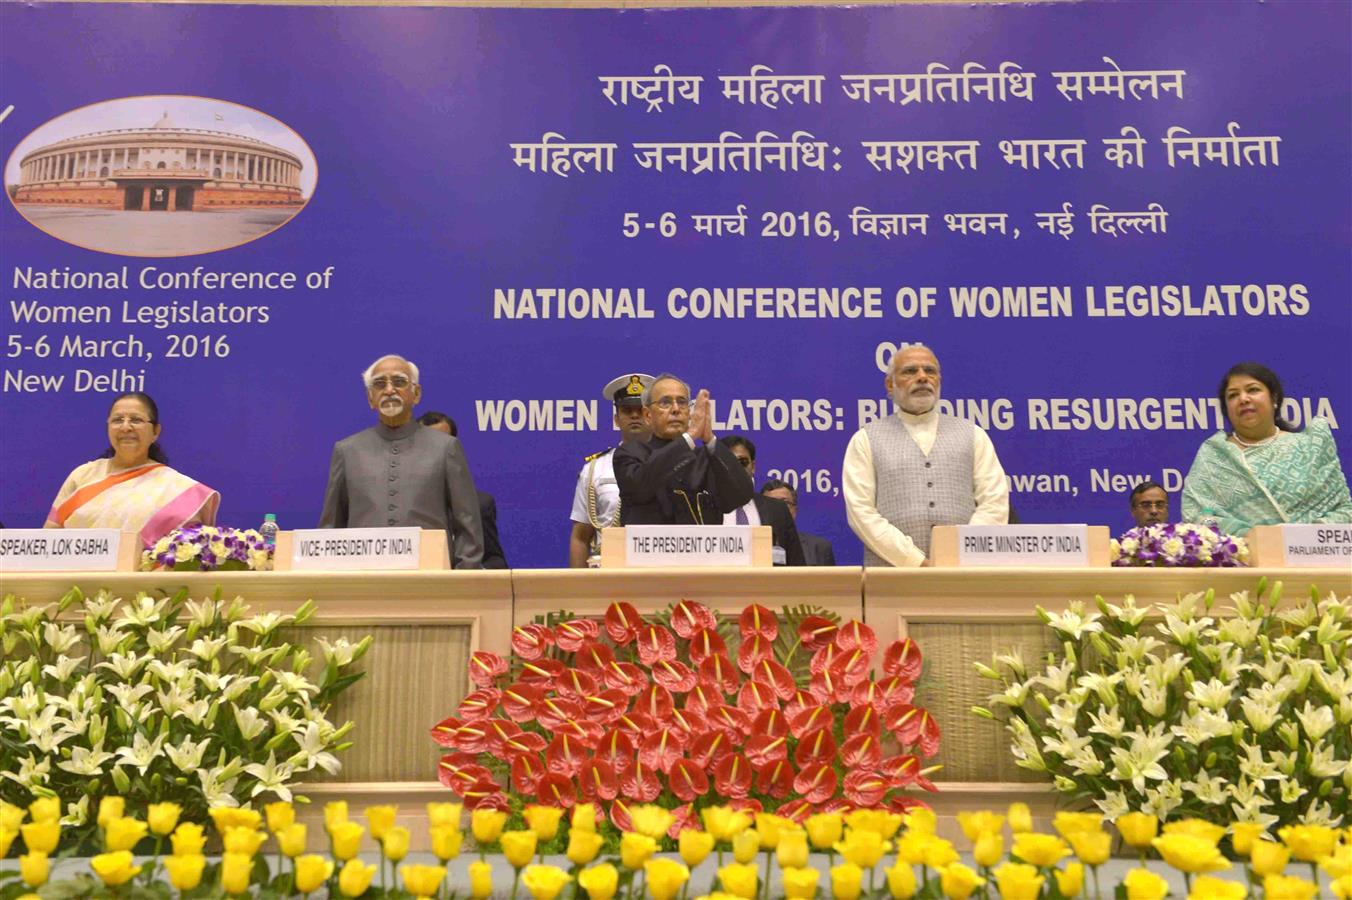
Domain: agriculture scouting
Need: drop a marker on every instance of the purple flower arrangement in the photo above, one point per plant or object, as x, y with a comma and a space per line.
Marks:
1183, 545
206, 548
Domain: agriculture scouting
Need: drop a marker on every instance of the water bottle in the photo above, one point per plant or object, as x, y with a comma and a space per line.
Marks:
1207, 519
269, 530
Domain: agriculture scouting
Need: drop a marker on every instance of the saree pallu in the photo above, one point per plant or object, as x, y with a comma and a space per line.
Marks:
151, 500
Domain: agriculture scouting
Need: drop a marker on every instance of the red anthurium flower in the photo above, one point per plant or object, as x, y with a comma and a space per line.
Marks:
654, 701
823, 657
575, 683
816, 631
627, 677
734, 722
717, 672
674, 676
584, 731
619, 814
862, 751
827, 688
754, 697
471, 737
816, 783
527, 770
525, 742
702, 698
800, 701
798, 810
689, 722
771, 722
485, 667
554, 711
660, 749
903, 658
684, 818
485, 794
640, 783
655, 644
835, 804
622, 622
688, 781
754, 648
500, 731
565, 755
905, 771
745, 804
636, 724
606, 706
929, 734
451, 772
816, 747
850, 666
865, 788
771, 673
704, 644
531, 641
594, 658
863, 720
542, 672
775, 779
913, 725
855, 635
615, 751
761, 749
903, 805
480, 704
732, 776
573, 634
892, 690
809, 720
556, 790
521, 701
597, 781
708, 748
756, 619
444, 731
689, 617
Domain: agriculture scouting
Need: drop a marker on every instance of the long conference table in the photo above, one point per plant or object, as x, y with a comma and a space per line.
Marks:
426, 624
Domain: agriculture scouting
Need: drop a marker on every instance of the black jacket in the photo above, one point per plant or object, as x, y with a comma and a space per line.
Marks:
665, 482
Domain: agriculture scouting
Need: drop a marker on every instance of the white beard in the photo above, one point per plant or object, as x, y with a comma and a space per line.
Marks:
897, 397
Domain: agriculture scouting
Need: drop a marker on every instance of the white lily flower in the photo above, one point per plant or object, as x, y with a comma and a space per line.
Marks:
1211, 791
60, 638
1239, 631
207, 649
32, 772
1128, 613
341, 651
201, 613
110, 638
1107, 722
176, 698
1113, 805
1073, 623
253, 655
1213, 694
1154, 700
169, 672
100, 606
86, 761
249, 722
1085, 762
1256, 767
1320, 813
295, 684
272, 776
1103, 685
63, 668
1291, 790
141, 753
143, 611
187, 756
162, 641
196, 711
312, 751
1316, 720
1285, 762
217, 790
266, 623
1012, 696
1202, 725
1321, 763
1162, 801
124, 666
129, 695
1137, 767
76, 813
1184, 633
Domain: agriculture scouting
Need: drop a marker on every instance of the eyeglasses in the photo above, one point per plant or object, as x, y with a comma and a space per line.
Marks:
398, 382
1152, 504
672, 403
133, 421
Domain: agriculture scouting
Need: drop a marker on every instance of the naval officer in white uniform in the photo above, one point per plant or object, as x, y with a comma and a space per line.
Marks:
596, 501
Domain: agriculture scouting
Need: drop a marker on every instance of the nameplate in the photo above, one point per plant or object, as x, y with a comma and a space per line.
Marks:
59, 549
1315, 546
1023, 545
687, 545
356, 548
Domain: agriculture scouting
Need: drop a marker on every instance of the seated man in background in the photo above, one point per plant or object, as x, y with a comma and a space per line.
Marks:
1149, 504
765, 510
494, 558
817, 551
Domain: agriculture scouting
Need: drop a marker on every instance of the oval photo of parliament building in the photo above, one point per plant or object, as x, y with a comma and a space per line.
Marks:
160, 176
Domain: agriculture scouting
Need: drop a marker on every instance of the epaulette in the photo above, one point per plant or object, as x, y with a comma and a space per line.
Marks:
597, 455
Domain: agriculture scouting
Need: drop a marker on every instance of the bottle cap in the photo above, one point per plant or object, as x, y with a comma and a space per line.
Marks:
270, 517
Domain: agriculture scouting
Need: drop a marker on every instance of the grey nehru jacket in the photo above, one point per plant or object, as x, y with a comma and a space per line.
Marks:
405, 476
915, 492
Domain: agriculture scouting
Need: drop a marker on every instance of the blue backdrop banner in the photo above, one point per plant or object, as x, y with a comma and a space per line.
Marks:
1088, 210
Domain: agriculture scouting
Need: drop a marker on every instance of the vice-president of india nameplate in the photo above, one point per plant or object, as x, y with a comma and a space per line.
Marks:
350, 549
687, 545
1023, 545
59, 549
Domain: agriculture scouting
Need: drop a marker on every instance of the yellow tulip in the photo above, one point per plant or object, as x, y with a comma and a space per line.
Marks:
921, 819
1091, 847
1189, 853
346, 838
7, 836
291, 839
989, 848
422, 881
444, 814
1243, 834
1042, 850
959, 882
543, 820
43, 836
695, 846
234, 817
279, 815
1068, 823
800, 884
1019, 881
664, 877
480, 879
163, 817
1207, 887
600, 882
824, 829
847, 880
769, 826
1338, 863
863, 848
1309, 843
975, 824
1070, 880
395, 844
1289, 887
518, 847
123, 834
446, 841
34, 868
1342, 888
584, 845
939, 853
1020, 818
1143, 884
901, 881
792, 851
335, 814
114, 869
740, 879
1138, 829
11, 816
486, 825
45, 809
312, 870
185, 872
912, 847
244, 841
651, 820
188, 839
381, 819
236, 872
111, 808
1197, 828
635, 849
584, 817
545, 882
723, 822
1268, 858
745, 845
355, 877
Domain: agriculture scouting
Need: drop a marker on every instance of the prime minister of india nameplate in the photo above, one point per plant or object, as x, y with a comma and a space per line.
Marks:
1023, 545
687, 545
59, 549
1317, 545
351, 549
